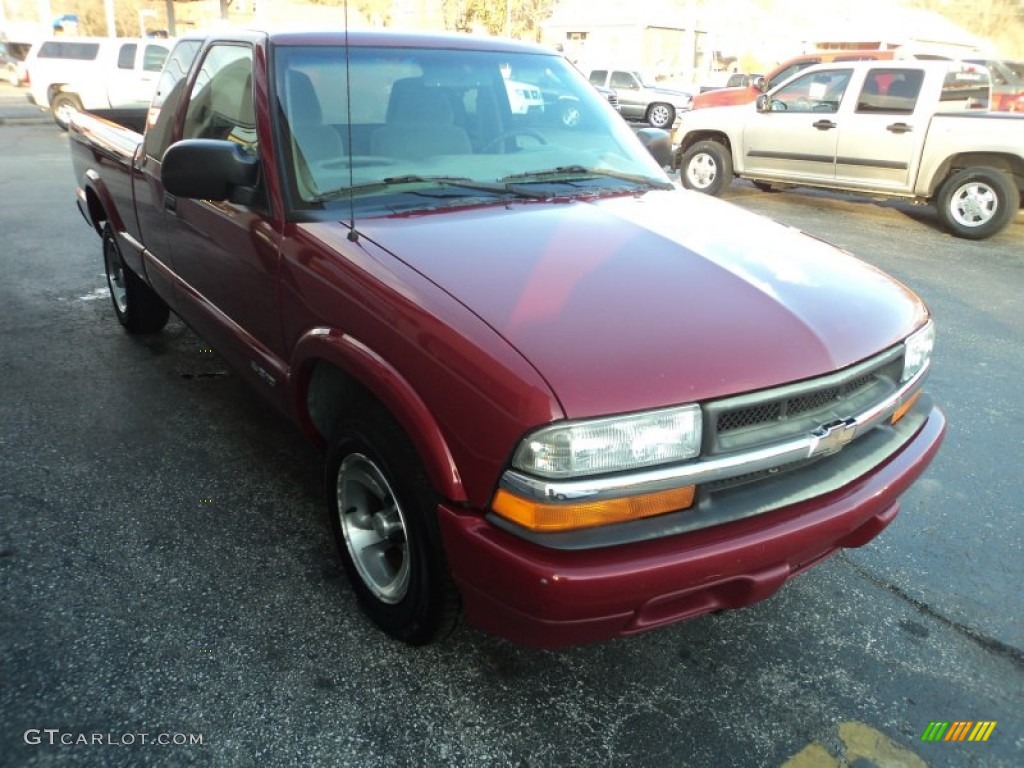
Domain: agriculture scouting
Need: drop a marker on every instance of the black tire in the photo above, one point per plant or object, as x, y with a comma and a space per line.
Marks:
976, 203
383, 513
661, 115
136, 305
706, 167
62, 105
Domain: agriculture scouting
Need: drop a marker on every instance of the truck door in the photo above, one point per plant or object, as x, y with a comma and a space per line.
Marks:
632, 102
226, 253
795, 138
881, 132
146, 183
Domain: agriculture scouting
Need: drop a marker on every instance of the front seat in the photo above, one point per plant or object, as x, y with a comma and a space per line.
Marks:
315, 141
419, 123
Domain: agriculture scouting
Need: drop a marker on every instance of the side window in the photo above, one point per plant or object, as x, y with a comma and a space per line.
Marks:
598, 76
169, 89
126, 56
813, 92
965, 88
54, 49
890, 91
623, 80
153, 58
789, 71
220, 105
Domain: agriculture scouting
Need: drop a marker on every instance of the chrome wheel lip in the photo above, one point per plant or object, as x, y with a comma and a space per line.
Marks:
701, 171
65, 111
374, 529
116, 278
974, 204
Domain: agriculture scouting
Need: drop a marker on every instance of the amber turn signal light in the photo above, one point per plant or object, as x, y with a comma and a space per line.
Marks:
906, 406
547, 518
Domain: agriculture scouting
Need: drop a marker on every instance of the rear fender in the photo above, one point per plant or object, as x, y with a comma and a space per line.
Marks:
99, 209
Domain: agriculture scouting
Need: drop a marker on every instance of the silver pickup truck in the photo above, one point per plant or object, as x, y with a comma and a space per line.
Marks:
914, 130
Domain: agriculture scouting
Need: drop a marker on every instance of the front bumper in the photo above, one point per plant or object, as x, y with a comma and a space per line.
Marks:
544, 597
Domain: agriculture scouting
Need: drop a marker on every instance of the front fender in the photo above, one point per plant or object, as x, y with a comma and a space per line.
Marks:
385, 382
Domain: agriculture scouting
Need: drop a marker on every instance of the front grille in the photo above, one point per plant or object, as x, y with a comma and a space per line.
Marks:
771, 416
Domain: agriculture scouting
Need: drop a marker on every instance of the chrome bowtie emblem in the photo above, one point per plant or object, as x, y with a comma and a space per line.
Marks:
832, 437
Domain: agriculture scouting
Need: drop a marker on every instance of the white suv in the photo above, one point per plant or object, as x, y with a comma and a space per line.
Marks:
68, 74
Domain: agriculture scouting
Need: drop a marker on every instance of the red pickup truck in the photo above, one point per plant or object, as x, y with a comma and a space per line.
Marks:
555, 393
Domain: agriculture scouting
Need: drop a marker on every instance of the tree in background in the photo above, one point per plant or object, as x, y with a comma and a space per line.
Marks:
1001, 21
519, 19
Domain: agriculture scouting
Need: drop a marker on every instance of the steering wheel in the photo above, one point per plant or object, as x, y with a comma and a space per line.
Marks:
506, 135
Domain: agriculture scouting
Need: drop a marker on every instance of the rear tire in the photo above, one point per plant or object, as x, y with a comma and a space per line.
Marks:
706, 167
383, 513
661, 115
976, 203
63, 107
136, 305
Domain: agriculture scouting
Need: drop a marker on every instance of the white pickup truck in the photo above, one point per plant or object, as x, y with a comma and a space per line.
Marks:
914, 130
96, 74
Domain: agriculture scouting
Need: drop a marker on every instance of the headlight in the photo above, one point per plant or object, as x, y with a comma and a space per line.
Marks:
918, 351
611, 444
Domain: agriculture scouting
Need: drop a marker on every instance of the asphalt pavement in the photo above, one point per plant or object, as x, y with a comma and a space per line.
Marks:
169, 594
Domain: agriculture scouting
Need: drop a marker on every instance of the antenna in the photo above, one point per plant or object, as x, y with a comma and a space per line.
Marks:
353, 236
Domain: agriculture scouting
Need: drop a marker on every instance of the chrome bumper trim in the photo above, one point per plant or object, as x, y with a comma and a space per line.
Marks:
825, 440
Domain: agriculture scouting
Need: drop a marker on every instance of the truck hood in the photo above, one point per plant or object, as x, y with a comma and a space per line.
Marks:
634, 302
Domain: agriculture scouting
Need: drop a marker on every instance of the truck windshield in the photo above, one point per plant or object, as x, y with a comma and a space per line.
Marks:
421, 115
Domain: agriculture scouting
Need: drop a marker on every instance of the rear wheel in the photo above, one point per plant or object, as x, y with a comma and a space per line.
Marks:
136, 305
706, 167
976, 203
383, 513
661, 115
64, 106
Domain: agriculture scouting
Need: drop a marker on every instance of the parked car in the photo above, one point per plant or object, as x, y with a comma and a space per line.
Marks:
12, 61
641, 98
1007, 84
523, 98
553, 389
540, 89
71, 74
746, 92
743, 80
912, 130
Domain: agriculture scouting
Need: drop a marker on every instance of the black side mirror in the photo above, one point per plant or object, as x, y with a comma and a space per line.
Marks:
207, 169
764, 103
658, 143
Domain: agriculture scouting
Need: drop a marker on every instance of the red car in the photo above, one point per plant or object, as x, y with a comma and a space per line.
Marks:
553, 390
745, 94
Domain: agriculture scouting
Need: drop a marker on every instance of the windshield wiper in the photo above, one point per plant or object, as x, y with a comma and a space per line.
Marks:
462, 182
566, 173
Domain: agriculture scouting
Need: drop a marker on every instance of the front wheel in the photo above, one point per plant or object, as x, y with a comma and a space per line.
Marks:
136, 305
383, 513
976, 203
706, 167
661, 116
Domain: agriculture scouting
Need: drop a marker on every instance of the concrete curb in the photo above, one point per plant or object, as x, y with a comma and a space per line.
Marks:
34, 120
